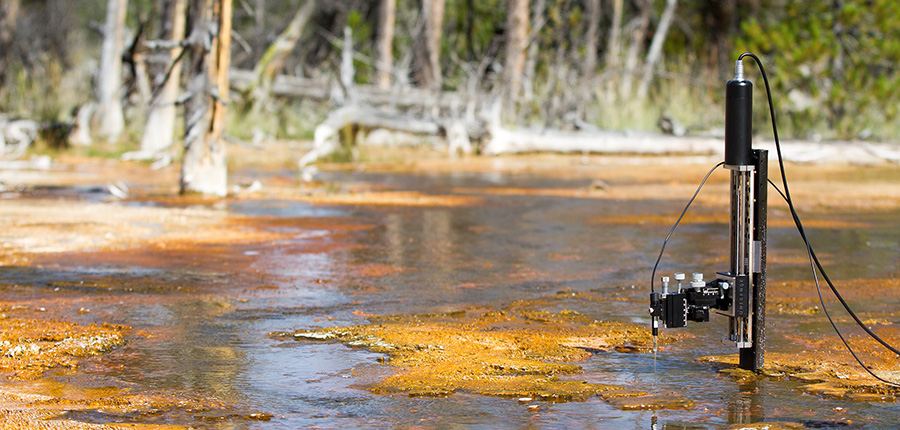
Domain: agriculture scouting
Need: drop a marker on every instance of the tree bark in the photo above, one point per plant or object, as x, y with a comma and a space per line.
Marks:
428, 52
634, 49
259, 15
204, 167
9, 13
612, 49
275, 56
655, 51
108, 120
470, 30
384, 44
531, 58
159, 131
516, 43
347, 71
590, 41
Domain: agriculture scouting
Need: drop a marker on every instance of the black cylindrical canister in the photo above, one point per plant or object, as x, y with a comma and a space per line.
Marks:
738, 122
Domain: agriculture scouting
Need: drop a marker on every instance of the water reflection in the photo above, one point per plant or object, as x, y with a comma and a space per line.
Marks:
745, 408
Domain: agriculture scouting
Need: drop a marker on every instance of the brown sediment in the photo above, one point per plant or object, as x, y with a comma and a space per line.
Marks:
792, 306
768, 425
824, 372
719, 218
824, 363
543, 192
47, 404
36, 347
851, 289
519, 350
42, 227
390, 198
29, 347
378, 270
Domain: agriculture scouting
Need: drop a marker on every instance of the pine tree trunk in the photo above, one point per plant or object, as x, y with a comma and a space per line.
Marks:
108, 120
204, 167
516, 43
159, 131
384, 44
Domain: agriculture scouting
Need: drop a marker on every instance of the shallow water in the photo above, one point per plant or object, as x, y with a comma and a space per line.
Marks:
211, 317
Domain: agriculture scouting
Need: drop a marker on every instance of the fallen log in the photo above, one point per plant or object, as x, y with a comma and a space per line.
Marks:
294, 86
509, 141
498, 140
16, 135
327, 134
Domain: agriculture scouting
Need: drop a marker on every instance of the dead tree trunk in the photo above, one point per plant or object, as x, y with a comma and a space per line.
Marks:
204, 168
384, 44
612, 47
531, 59
428, 48
590, 41
635, 47
273, 59
159, 132
108, 120
9, 13
259, 15
655, 51
516, 43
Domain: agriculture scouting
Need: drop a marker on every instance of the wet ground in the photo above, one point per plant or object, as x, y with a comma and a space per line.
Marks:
481, 293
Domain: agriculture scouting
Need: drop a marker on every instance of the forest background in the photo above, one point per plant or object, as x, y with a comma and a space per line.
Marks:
609, 64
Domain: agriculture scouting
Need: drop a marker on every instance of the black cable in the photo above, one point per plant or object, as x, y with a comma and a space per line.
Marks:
672, 230
814, 261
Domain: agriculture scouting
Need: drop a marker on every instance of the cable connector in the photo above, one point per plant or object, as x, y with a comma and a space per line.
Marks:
738, 70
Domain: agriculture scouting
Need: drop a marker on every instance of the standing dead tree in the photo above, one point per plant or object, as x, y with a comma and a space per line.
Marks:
531, 58
655, 51
591, 38
427, 49
615, 31
385, 42
272, 61
9, 14
639, 27
204, 168
516, 43
159, 133
108, 120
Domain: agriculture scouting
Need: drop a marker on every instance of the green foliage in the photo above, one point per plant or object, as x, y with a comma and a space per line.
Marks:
841, 60
46, 92
488, 16
281, 119
362, 31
